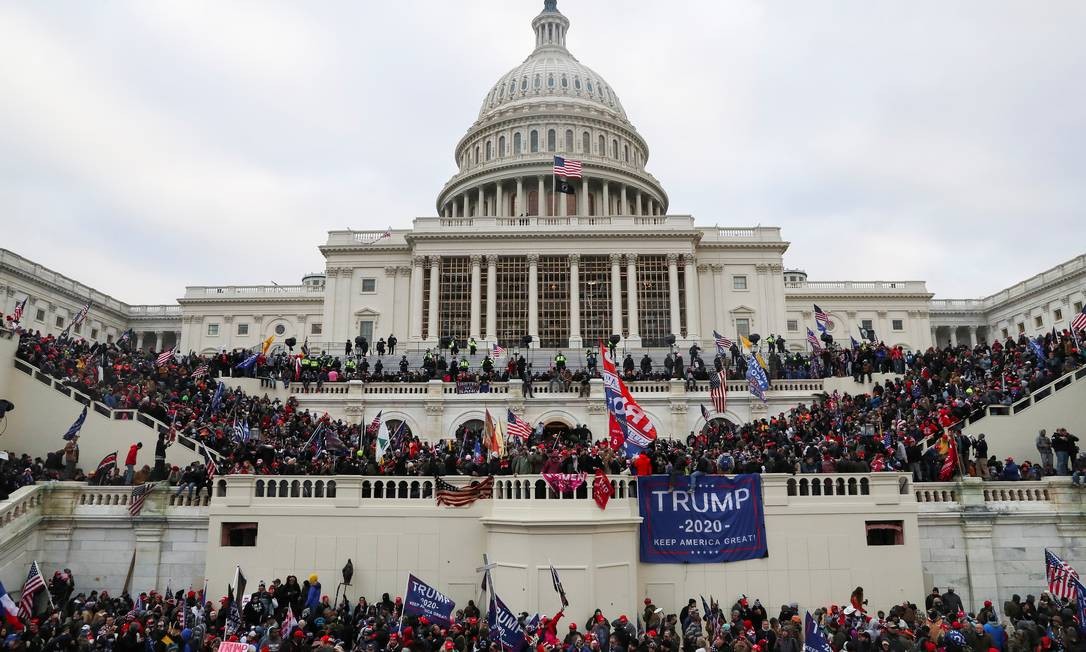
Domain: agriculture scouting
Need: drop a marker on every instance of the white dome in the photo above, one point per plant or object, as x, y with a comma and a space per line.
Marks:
551, 73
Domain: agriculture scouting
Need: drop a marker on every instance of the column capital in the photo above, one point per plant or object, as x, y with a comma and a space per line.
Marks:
689, 259
391, 270
717, 267
575, 259
533, 259
616, 259
492, 259
418, 261
673, 259
476, 259
435, 260
631, 259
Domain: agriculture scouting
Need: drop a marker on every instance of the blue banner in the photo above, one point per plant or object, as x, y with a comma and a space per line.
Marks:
721, 520
504, 627
422, 599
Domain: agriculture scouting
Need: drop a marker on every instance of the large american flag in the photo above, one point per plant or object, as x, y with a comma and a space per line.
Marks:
164, 357
375, 424
812, 339
81, 315
199, 372
1077, 324
567, 168
1061, 577
209, 462
34, 584
452, 496
722, 343
517, 427
821, 318
718, 391
139, 496
19, 307
499, 351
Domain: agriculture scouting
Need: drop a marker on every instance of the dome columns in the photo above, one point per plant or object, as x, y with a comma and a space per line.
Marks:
537, 195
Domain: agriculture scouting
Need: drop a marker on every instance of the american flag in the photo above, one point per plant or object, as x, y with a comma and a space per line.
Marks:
164, 357
139, 496
705, 413
453, 496
1077, 324
812, 339
209, 462
567, 168
81, 315
34, 584
718, 391
19, 307
1061, 577
517, 427
722, 343
199, 372
822, 320
498, 350
375, 424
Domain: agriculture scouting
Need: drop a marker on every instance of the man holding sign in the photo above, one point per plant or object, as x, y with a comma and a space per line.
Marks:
424, 600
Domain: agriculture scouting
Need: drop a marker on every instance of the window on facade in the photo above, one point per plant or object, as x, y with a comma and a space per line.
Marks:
365, 329
40, 315
626, 154
595, 281
212, 330
512, 299
501, 146
243, 329
1038, 321
1021, 328
569, 140
1005, 333
614, 149
565, 81
524, 84
1057, 314
742, 326
553, 301
94, 333
512, 87
316, 329
280, 329
897, 324
589, 86
516, 144
238, 535
577, 83
550, 81
793, 325
885, 533
109, 338
739, 282
1078, 306
59, 322
78, 328
866, 324
454, 298
603, 147
653, 300
537, 83
369, 285
476, 154
586, 143
534, 141
488, 150
552, 140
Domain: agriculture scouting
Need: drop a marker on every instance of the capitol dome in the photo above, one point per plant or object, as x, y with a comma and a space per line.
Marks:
551, 106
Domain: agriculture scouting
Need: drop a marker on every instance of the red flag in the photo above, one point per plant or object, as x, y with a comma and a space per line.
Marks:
950, 464
602, 491
615, 432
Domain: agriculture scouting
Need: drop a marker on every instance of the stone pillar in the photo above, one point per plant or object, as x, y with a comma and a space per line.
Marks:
673, 293
533, 298
476, 280
634, 338
415, 311
640, 209
519, 209
148, 553
464, 212
499, 199
623, 208
693, 300
954, 336
972, 336
435, 269
542, 203
492, 296
575, 340
718, 299
582, 199
606, 212
560, 200
616, 294
139, 341
481, 210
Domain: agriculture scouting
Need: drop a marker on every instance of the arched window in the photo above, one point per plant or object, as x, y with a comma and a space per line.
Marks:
552, 138
516, 144
586, 143
476, 154
577, 83
550, 80
569, 140
625, 147
589, 87
565, 81
534, 141
614, 149
501, 146
538, 82
512, 87
524, 83
603, 147
488, 151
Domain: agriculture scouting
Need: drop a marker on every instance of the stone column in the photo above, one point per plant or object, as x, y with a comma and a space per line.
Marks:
606, 212
972, 336
616, 294
139, 341
954, 336
492, 296
623, 208
467, 208
476, 280
582, 200
575, 340
560, 200
481, 210
533, 298
640, 208
499, 200
718, 299
934, 338
673, 293
631, 300
519, 209
415, 311
435, 269
542, 204
693, 299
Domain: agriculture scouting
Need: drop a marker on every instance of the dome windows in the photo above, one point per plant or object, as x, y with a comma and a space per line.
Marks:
614, 149
603, 147
626, 148
565, 81
501, 146
589, 86
476, 155
552, 139
512, 87
516, 144
488, 151
586, 143
524, 84
577, 83
537, 83
550, 80
534, 141
569, 140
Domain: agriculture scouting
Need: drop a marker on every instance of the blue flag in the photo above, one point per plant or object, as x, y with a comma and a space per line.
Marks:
756, 379
422, 599
248, 363
504, 627
216, 398
73, 431
1037, 349
813, 640
855, 344
1080, 599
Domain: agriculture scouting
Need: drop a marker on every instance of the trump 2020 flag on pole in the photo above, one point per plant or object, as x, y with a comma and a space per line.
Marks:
422, 599
558, 586
73, 430
813, 640
503, 625
1080, 599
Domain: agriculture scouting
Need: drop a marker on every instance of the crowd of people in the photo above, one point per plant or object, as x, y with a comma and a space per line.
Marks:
902, 424
289, 616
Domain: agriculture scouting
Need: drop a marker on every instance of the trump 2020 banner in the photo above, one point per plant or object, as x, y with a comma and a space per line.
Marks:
721, 520
424, 600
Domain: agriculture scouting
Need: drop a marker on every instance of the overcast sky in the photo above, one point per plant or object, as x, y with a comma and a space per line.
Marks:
145, 146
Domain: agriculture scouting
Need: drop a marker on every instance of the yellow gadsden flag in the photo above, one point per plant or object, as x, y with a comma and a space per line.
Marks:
746, 342
267, 345
493, 435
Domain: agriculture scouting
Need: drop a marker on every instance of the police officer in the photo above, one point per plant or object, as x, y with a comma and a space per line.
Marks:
472, 346
404, 364
559, 361
590, 360
392, 344
381, 346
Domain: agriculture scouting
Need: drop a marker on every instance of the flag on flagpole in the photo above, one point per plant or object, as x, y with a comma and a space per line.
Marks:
567, 168
209, 462
383, 440
1077, 324
216, 399
813, 639
746, 341
718, 392
289, 623
19, 308
452, 496
558, 586
73, 430
517, 427
139, 497
493, 434
812, 339
266, 345
498, 350
31, 588
950, 464
10, 609
375, 424
705, 413
722, 343
822, 320
248, 363
1060, 576
107, 462
164, 357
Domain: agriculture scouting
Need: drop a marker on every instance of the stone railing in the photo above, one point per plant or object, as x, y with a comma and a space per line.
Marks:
76, 290
154, 311
103, 409
859, 286
681, 222
21, 504
120, 496
230, 291
998, 494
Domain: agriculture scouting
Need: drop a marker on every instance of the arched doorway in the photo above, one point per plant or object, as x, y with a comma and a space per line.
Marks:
717, 427
398, 429
472, 429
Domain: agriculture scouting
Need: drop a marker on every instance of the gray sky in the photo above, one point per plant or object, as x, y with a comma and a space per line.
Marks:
145, 146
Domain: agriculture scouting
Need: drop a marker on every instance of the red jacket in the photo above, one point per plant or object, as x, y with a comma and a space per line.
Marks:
132, 452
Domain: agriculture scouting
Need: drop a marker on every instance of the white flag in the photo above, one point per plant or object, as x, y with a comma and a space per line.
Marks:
383, 440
